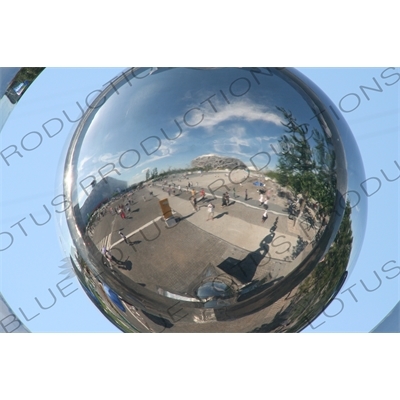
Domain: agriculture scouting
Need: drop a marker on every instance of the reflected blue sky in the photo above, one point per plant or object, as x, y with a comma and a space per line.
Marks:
229, 112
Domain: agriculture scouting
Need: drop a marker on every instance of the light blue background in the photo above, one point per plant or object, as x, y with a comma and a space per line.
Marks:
30, 267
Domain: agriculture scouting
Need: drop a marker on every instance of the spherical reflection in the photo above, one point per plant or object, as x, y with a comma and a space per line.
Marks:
212, 200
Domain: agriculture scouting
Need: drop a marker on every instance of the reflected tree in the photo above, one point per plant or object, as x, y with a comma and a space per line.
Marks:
319, 286
27, 73
306, 167
154, 173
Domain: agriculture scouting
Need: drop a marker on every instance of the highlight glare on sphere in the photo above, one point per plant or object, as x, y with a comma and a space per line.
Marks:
212, 200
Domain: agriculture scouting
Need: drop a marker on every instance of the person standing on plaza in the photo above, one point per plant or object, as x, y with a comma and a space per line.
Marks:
223, 200
110, 258
264, 216
227, 198
108, 254
193, 203
210, 210
245, 194
123, 236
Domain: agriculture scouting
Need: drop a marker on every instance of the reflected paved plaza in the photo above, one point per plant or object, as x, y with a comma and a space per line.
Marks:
236, 243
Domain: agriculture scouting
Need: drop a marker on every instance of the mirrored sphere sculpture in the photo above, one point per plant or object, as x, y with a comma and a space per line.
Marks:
212, 200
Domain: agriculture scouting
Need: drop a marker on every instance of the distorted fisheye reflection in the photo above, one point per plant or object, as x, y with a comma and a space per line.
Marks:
211, 200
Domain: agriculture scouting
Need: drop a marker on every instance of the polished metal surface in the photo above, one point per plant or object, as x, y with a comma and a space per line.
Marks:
390, 323
9, 322
212, 200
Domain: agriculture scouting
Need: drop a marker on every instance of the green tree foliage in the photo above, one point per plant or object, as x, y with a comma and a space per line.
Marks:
27, 74
154, 173
306, 162
317, 289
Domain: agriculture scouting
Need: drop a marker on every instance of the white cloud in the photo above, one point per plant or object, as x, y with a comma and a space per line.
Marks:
240, 110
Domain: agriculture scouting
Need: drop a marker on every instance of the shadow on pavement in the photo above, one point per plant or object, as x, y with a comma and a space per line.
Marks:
126, 265
221, 215
185, 217
244, 270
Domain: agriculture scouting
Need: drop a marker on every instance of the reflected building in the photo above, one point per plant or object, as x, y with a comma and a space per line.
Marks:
254, 166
